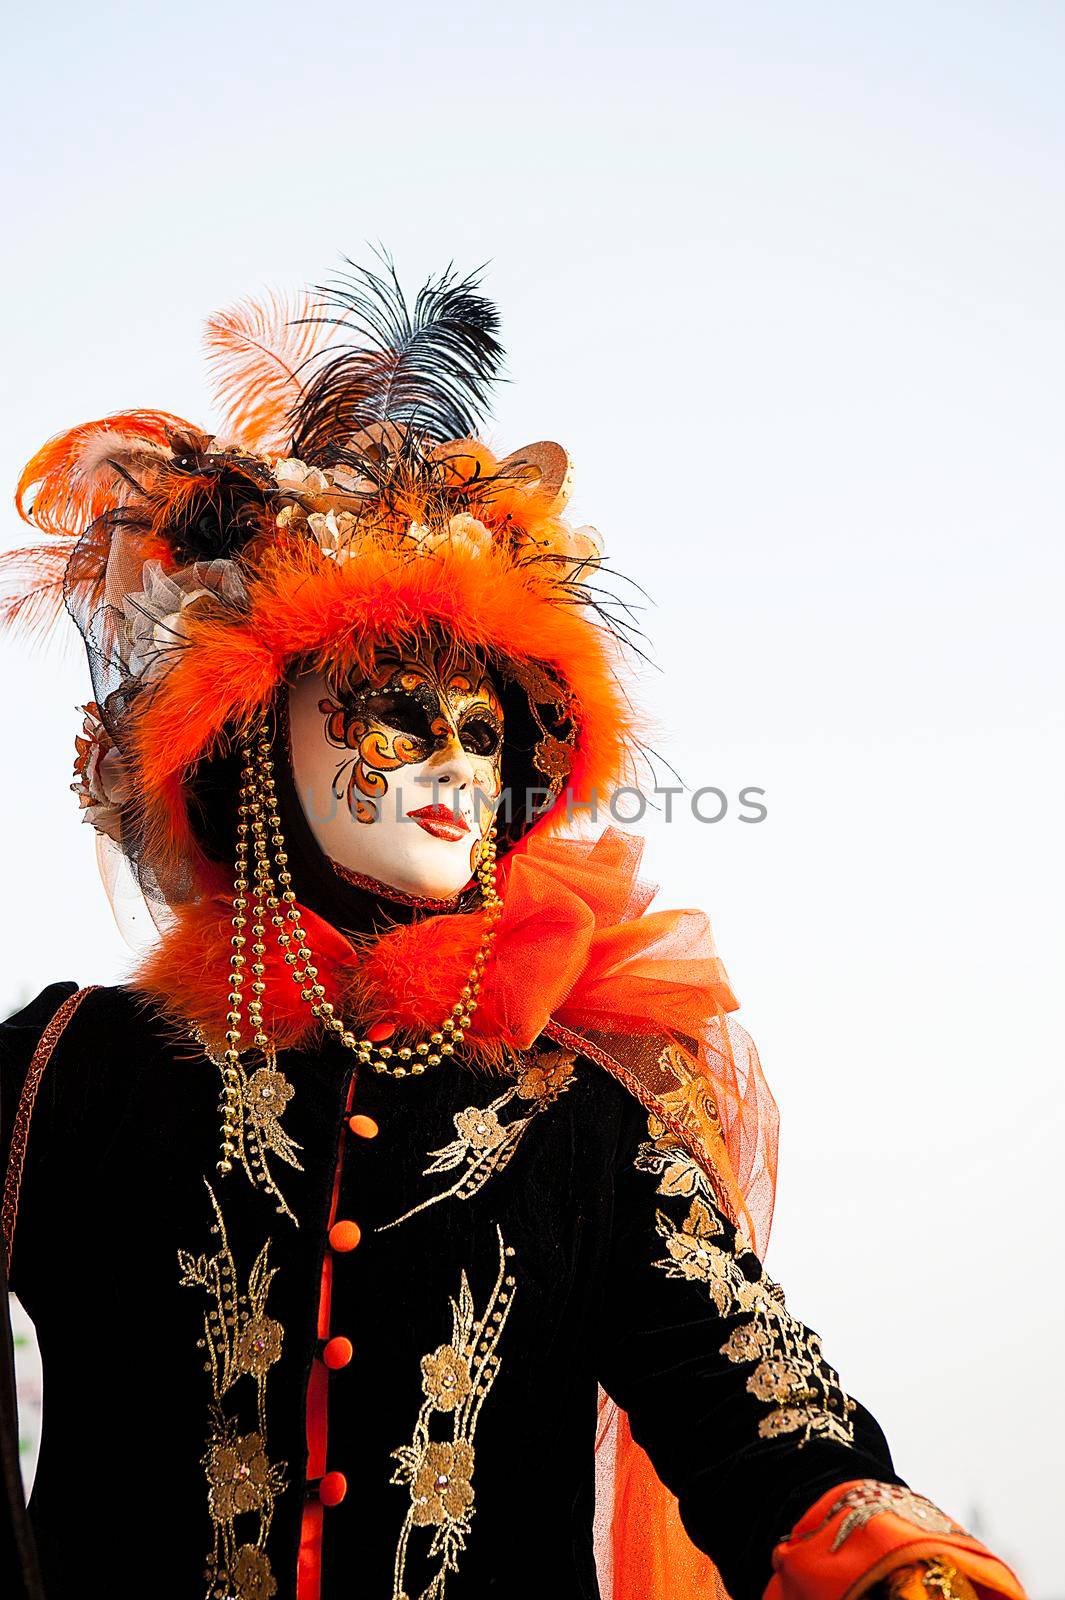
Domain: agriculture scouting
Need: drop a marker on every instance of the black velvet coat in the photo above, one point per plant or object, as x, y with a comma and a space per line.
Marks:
521, 1240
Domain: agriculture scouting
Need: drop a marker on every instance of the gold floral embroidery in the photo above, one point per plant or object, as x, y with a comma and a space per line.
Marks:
790, 1373
446, 1378
240, 1342
263, 1095
547, 1077
483, 1144
672, 1163
259, 1345
692, 1102
934, 1579
942, 1581
442, 1491
690, 1105
871, 1499
238, 1473
692, 1253
477, 1130
252, 1575
456, 1379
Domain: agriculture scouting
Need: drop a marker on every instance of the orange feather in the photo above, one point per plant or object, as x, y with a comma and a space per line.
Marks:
72, 479
64, 492
255, 353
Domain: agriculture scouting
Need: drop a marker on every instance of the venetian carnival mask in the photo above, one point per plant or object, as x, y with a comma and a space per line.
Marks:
398, 772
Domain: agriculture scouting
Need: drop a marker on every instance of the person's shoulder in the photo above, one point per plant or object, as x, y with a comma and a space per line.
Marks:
22, 1032
106, 1031
21, 1036
38, 1012
65, 1007
606, 1107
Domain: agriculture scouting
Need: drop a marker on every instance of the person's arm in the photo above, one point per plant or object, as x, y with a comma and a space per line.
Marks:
19, 1571
26, 1043
782, 1479
20, 1038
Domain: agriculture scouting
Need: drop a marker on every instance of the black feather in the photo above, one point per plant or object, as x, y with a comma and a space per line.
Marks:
429, 370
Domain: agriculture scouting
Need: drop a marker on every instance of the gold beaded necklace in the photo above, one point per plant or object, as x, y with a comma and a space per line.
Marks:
259, 821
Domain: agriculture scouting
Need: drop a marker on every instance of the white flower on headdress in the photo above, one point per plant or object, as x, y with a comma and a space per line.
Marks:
348, 480
155, 621
467, 534
298, 477
462, 532
103, 783
334, 532
584, 544
572, 552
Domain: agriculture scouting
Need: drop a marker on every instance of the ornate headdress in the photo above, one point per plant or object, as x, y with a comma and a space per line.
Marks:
343, 504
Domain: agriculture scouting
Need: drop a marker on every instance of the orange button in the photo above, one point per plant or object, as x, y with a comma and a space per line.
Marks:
344, 1236
332, 1489
338, 1352
365, 1127
379, 1031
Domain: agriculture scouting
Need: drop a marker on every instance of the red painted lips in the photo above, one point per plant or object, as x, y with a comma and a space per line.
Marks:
441, 822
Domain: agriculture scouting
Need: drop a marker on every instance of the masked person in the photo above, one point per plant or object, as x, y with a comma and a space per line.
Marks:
395, 1230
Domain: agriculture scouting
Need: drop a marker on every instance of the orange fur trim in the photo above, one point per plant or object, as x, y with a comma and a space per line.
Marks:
411, 975
306, 606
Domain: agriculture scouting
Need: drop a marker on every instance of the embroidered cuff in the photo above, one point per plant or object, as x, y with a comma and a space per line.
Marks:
860, 1532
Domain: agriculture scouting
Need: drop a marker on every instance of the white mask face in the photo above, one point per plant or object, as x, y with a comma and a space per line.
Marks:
398, 773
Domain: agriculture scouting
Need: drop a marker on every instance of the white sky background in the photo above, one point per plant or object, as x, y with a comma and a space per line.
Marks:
787, 281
